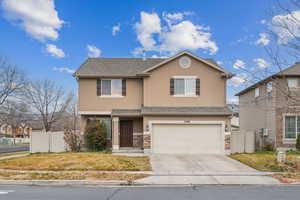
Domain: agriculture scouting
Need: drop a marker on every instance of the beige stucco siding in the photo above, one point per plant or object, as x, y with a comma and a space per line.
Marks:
212, 86
89, 101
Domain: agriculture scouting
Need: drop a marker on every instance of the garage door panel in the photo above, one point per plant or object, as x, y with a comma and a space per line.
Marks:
187, 138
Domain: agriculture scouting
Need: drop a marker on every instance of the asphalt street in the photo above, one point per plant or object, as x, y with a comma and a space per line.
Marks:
9, 149
215, 192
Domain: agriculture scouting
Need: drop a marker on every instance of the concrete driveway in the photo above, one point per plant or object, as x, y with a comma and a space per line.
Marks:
197, 164
202, 169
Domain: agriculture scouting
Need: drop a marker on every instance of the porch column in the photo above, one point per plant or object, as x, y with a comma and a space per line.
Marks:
115, 133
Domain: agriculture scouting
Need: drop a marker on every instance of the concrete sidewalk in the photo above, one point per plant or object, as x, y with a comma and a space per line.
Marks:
14, 156
208, 180
156, 181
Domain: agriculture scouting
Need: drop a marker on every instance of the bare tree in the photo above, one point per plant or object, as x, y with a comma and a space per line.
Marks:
12, 80
283, 49
72, 116
49, 100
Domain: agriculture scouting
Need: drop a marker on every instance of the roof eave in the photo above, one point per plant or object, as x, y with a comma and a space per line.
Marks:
188, 113
106, 76
190, 54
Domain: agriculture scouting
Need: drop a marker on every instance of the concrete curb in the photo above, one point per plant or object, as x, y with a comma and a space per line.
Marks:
112, 183
63, 182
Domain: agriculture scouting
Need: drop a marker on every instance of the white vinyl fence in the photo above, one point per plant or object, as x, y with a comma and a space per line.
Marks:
47, 142
242, 142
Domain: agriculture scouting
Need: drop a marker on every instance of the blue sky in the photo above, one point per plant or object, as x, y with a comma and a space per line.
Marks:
226, 31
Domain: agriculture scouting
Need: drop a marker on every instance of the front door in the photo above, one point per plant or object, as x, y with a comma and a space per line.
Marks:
126, 133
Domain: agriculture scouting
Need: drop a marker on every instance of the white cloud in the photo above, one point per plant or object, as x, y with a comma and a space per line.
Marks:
149, 25
239, 64
186, 35
219, 62
37, 17
64, 69
116, 29
93, 51
172, 18
157, 56
261, 63
263, 21
177, 35
54, 51
286, 27
263, 39
238, 80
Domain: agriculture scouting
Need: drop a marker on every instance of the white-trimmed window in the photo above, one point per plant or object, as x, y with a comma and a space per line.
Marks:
111, 87
269, 87
256, 92
292, 83
184, 86
292, 127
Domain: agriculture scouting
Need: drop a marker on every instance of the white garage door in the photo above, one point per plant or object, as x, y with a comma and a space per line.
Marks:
187, 139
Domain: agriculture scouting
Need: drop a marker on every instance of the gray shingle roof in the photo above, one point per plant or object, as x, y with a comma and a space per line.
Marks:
186, 111
116, 66
119, 66
294, 70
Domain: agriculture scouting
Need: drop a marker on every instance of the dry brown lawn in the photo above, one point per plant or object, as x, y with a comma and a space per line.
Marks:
266, 161
70, 176
77, 161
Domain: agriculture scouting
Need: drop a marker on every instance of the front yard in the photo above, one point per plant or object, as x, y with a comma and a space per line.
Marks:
267, 161
77, 161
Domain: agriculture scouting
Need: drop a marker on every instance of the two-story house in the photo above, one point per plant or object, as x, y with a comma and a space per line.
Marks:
271, 109
174, 105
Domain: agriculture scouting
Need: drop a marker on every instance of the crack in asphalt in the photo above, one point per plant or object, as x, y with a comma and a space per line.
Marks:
114, 193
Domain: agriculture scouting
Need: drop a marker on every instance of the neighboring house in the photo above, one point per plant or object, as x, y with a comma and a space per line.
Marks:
235, 121
174, 105
23, 130
271, 108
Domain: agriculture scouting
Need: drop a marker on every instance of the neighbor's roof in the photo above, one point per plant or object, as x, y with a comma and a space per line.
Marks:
186, 111
129, 67
293, 70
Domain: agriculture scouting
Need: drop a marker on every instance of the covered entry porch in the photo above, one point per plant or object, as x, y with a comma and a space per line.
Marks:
127, 131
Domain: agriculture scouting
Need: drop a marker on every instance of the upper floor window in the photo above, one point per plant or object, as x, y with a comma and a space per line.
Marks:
256, 92
292, 83
269, 87
111, 87
185, 86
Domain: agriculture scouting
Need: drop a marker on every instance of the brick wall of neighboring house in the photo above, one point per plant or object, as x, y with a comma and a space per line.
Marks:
280, 114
